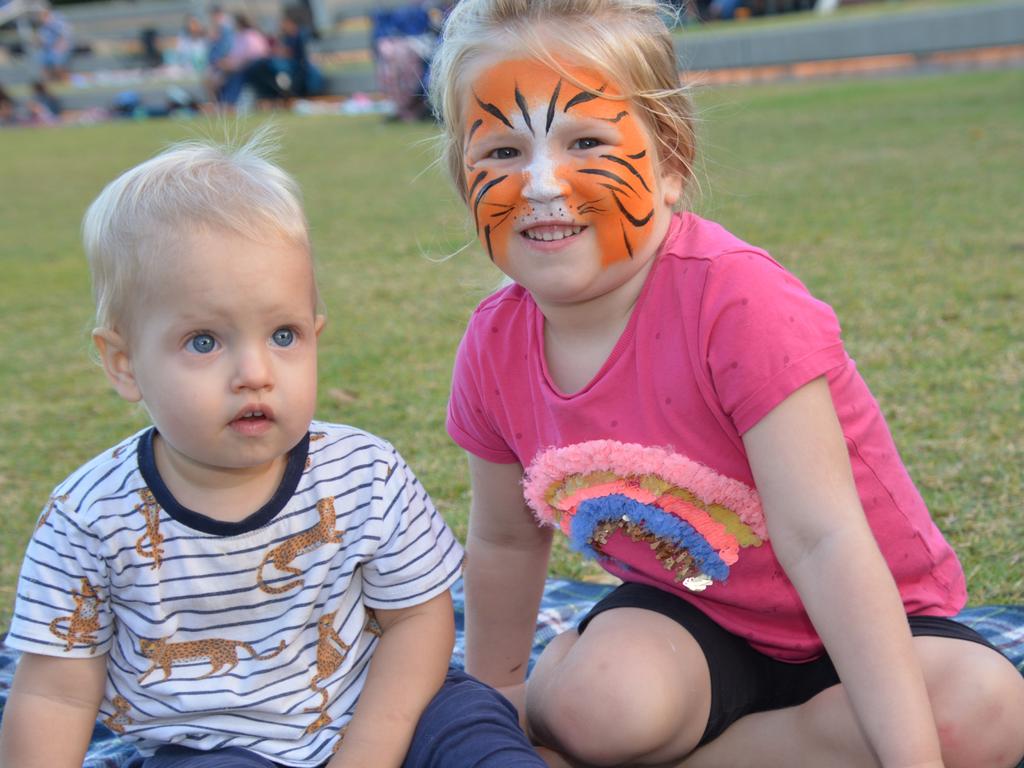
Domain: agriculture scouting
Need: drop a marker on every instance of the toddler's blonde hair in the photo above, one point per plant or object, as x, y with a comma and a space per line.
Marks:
142, 216
627, 39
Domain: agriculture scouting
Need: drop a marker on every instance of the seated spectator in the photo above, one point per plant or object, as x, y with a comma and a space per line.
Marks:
403, 44
43, 105
250, 45
222, 39
8, 108
55, 46
191, 51
288, 72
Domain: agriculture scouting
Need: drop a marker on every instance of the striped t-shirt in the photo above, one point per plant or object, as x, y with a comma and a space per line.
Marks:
254, 634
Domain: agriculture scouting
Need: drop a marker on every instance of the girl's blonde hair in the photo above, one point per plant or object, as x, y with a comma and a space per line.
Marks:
627, 39
143, 215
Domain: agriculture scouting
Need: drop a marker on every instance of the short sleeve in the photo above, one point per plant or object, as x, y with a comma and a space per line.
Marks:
469, 420
418, 556
764, 335
62, 607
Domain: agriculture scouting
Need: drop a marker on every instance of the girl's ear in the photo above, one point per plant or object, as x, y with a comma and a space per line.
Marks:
117, 363
671, 188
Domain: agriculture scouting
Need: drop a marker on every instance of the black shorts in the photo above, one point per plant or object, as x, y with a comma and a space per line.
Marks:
744, 681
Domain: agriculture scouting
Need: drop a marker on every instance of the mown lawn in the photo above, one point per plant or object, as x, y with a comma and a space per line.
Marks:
897, 200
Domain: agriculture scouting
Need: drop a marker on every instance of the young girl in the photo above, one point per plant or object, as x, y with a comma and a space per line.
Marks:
678, 404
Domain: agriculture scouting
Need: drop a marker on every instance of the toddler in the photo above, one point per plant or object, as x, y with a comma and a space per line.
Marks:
237, 585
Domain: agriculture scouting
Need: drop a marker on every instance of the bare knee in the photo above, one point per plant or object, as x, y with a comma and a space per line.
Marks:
978, 711
614, 699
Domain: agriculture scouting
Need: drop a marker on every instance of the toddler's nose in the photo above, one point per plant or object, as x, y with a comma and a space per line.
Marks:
252, 369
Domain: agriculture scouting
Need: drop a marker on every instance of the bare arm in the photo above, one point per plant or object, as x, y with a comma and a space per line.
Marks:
821, 536
506, 564
51, 710
407, 669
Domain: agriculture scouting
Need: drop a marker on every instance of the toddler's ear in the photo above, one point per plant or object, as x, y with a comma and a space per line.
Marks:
321, 321
117, 364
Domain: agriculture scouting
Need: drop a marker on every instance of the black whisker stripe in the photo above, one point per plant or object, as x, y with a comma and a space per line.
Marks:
503, 219
524, 109
628, 166
632, 219
638, 155
616, 118
479, 177
483, 191
583, 97
608, 175
613, 189
487, 237
625, 239
552, 104
473, 129
505, 210
493, 110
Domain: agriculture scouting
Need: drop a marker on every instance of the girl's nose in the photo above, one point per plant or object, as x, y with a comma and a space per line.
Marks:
543, 182
253, 369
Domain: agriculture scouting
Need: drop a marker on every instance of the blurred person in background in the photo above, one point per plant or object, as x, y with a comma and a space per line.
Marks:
191, 51
250, 44
53, 34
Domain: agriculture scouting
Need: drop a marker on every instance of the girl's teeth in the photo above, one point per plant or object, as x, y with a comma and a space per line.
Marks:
548, 234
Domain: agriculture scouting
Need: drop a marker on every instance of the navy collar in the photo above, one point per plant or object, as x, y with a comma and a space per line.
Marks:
289, 482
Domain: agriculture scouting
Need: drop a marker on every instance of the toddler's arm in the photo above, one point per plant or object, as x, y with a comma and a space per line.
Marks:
506, 564
49, 716
407, 669
821, 536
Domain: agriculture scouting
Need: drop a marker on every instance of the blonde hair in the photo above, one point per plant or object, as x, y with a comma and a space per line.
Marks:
142, 215
627, 39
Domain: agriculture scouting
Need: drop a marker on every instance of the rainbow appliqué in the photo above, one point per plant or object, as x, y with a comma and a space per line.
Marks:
695, 520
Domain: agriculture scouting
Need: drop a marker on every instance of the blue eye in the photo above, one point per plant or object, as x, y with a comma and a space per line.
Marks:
203, 343
587, 143
504, 153
283, 337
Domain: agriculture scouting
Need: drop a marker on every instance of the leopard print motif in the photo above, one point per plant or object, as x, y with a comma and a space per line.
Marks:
219, 652
119, 719
151, 512
54, 501
328, 661
84, 621
284, 553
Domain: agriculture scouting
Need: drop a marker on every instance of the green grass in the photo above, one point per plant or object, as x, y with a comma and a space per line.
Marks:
896, 200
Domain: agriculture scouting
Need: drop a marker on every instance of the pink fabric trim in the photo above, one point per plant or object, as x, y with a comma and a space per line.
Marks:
630, 460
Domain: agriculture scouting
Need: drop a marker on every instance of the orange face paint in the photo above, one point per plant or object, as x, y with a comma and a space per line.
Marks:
546, 158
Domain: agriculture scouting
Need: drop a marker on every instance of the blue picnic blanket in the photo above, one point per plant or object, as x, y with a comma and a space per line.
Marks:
563, 605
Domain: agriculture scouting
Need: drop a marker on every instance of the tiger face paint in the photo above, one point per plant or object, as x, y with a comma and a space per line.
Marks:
551, 166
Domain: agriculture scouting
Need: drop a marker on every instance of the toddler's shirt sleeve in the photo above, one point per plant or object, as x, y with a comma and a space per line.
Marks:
62, 607
764, 335
418, 556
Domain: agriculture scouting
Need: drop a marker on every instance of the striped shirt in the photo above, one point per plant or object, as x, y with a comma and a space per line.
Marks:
255, 634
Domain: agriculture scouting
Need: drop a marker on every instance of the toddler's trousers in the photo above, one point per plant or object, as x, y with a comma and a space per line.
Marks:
466, 725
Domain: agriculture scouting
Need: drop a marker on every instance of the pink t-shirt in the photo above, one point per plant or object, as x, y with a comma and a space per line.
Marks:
645, 467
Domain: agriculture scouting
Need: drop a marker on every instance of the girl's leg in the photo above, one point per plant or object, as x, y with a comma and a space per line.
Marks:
633, 689
977, 698
173, 756
470, 725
